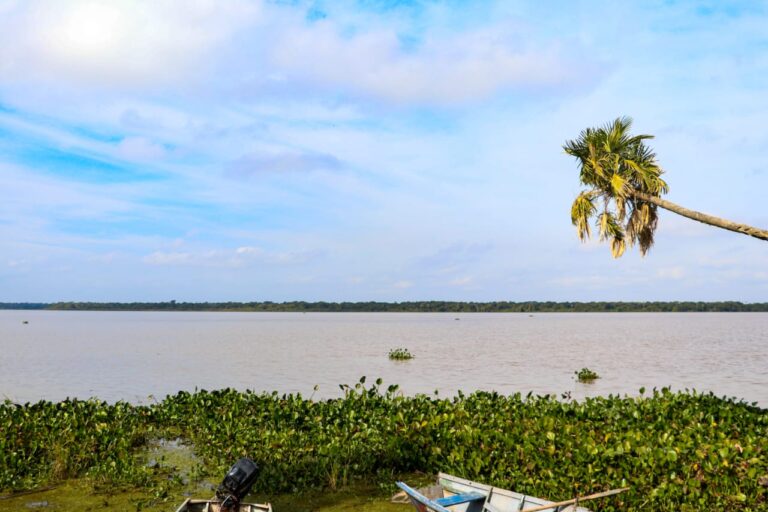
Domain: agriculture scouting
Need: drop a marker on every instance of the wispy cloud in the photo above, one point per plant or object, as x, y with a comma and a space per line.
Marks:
172, 258
140, 149
253, 164
674, 273
461, 281
443, 69
242, 256
456, 256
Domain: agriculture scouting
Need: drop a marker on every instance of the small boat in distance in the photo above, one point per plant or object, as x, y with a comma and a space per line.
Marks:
454, 494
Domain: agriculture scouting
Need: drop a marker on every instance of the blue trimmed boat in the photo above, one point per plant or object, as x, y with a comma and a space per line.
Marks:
454, 494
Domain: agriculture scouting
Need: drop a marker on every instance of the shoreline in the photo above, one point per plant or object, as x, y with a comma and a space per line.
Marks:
402, 307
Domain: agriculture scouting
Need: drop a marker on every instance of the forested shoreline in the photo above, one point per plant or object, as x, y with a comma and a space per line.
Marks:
401, 307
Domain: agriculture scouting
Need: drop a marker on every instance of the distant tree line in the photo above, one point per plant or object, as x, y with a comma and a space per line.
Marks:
23, 305
400, 307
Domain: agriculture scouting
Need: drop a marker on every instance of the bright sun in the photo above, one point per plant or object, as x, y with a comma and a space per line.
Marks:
90, 28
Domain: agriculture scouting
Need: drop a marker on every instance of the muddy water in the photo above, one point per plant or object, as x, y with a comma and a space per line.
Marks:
135, 355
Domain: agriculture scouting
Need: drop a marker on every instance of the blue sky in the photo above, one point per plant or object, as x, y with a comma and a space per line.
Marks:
370, 150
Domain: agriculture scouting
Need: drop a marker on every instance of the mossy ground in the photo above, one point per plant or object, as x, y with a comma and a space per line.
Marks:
79, 496
82, 496
358, 499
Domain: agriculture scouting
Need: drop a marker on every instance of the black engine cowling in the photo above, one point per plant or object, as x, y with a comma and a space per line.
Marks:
237, 483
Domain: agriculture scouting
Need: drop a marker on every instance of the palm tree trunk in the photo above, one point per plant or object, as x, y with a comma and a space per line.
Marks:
762, 234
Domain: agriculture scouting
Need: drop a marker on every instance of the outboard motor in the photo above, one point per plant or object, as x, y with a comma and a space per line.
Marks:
237, 483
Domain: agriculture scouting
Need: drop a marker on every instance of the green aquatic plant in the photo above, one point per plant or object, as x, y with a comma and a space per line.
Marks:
48, 441
678, 451
400, 354
586, 375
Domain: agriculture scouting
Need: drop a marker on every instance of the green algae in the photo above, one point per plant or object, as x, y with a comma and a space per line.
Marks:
180, 475
78, 495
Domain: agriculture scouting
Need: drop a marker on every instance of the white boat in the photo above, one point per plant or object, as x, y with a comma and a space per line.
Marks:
454, 494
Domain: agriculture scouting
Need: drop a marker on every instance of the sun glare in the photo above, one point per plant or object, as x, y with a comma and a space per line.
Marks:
90, 28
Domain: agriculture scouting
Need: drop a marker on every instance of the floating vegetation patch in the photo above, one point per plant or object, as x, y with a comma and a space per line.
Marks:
400, 354
586, 375
678, 451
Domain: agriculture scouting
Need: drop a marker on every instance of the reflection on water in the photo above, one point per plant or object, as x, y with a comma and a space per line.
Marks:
131, 355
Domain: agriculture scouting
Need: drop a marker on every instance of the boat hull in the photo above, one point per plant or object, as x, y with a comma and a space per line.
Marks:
191, 505
454, 494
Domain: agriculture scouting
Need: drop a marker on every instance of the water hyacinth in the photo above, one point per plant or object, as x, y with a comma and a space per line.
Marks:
400, 354
677, 451
47, 441
586, 375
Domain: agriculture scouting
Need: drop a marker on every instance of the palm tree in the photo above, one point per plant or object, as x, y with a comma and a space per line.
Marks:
624, 187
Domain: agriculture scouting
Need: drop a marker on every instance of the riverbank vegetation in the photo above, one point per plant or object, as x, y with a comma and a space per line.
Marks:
677, 451
402, 307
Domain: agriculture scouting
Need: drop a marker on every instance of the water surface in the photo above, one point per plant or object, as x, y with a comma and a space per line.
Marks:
135, 355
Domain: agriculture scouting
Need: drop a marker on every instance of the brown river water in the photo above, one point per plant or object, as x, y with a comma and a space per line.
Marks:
135, 356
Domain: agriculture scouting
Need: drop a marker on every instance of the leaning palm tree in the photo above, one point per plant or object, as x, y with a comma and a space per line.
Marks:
624, 188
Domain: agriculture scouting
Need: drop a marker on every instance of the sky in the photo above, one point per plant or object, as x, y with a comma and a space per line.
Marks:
247, 150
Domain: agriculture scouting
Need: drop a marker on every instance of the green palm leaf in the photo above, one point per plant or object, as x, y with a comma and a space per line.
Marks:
622, 170
615, 165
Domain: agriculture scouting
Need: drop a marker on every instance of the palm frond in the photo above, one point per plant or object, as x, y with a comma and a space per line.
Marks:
645, 236
618, 246
582, 209
612, 164
608, 227
618, 185
621, 208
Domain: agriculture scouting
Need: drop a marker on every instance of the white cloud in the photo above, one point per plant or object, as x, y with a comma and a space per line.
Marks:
446, 69
240, 257
29, 196
257, 163
402, 285
249, 251
276, 257
244, 49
